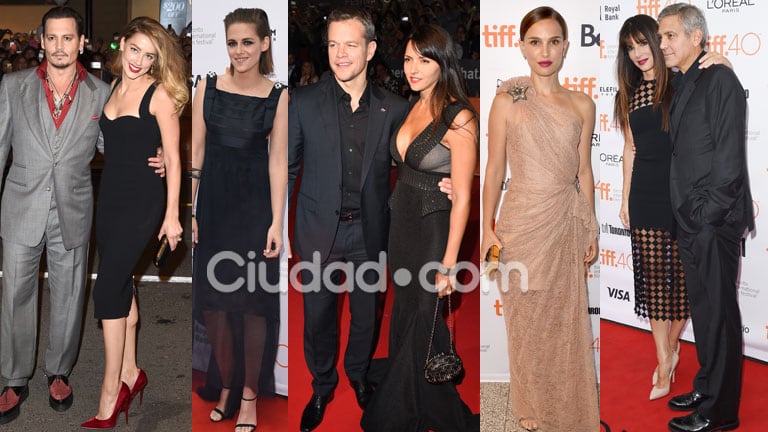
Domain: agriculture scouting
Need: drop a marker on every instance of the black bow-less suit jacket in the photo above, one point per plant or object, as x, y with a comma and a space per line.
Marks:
708, 178
314, 139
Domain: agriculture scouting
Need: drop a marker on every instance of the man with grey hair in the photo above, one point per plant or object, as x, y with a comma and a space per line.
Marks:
712, 203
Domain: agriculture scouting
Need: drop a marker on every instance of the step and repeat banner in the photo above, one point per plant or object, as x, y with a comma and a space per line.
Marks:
209, 51
501, 59
735, 31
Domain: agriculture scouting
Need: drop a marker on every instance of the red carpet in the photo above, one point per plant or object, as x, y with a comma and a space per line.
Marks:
342, 413
627, 360
272, 412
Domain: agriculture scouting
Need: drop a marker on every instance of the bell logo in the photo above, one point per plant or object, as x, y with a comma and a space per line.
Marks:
585, 85
501, 36
588, 36
648, 7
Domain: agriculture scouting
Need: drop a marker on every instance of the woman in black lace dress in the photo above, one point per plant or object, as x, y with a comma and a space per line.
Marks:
438, 138
642, 111
240, 176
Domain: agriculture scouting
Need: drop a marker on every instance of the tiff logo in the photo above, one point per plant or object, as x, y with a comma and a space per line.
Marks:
585, 85
605, 190
608, 257
499, 36
648, 7
605, 124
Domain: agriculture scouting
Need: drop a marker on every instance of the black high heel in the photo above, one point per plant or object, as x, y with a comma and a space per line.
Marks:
247, 425
229, 409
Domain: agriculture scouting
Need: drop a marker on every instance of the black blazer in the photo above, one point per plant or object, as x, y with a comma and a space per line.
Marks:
709, 184
313, 137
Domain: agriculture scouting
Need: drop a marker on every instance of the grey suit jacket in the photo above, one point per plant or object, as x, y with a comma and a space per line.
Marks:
47, 161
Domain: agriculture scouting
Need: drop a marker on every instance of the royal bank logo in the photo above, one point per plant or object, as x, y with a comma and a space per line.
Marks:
729, 6
610, 12
607, 228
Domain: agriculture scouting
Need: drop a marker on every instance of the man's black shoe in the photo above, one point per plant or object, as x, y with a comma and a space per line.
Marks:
686, 402
10, 402
314, 412
363, 392
695, 422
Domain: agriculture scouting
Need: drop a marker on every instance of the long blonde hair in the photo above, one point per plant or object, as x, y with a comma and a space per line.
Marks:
169, 68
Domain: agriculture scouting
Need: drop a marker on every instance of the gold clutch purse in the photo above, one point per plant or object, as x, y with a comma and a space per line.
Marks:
492, 260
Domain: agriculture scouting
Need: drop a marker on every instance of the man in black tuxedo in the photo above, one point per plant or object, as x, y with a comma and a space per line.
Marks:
713, 208
341, 128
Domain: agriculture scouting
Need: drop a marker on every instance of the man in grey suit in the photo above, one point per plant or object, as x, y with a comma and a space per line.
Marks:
49, 118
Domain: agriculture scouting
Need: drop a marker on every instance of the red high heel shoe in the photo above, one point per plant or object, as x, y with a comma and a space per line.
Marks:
109, 423
138, 388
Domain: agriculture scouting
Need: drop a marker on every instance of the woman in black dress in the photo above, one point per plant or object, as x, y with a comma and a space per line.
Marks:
438, 138
141, 114
642, 111
240, 175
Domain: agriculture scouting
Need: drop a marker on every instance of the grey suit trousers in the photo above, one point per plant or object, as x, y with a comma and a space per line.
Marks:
18, 320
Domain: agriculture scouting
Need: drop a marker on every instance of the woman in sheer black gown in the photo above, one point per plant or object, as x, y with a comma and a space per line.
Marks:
438, 138
240, 175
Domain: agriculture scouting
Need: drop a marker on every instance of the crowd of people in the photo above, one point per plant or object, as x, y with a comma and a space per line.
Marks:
19, 50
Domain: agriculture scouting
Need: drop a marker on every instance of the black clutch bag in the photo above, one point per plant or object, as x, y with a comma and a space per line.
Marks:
162, 252
445, 366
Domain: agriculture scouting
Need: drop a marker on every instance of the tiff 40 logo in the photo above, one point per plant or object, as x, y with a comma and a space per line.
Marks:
611, 258
747, 44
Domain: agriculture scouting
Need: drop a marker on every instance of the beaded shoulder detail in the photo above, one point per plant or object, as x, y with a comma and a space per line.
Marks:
520, 88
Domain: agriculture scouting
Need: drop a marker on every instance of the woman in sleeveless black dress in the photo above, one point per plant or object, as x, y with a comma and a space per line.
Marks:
240, 172
140, 116
437, 139
641, 109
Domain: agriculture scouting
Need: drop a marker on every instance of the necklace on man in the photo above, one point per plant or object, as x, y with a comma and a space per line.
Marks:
58, 98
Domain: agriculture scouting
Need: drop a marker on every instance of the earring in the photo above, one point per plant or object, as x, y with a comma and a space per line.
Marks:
152, 70
81, 50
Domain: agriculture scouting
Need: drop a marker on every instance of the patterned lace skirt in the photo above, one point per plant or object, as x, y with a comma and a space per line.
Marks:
660, 292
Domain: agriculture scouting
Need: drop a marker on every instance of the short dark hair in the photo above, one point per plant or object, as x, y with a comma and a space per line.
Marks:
60, 12
349, 13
